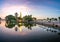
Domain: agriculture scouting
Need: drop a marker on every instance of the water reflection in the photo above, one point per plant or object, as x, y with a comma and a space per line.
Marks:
21, 31
16, 28
11, 25
51, 29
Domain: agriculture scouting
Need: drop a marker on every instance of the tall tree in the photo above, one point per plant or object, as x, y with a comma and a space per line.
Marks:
59, 19
0, 18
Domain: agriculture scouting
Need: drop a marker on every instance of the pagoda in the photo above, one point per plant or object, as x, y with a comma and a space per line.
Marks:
20, 18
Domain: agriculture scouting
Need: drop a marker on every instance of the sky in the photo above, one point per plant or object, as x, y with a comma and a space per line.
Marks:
38, 8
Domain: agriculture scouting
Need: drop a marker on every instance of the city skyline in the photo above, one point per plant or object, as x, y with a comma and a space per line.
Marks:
38, 8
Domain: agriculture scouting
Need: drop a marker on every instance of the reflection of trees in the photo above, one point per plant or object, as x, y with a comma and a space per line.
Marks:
29, 25
58, 33
16, 28
10, 25
54, 31
10, 21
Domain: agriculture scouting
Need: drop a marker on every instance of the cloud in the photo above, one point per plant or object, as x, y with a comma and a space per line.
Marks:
6, 10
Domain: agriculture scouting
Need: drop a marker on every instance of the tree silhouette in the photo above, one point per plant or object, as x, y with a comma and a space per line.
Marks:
59, 18
0, 20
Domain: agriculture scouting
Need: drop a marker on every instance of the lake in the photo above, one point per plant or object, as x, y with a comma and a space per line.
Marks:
28, 32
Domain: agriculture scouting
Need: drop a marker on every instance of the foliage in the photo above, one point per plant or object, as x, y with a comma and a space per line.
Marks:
10, 18
10, 25
47, 18
59, 18
10, 21
0, 18
55, 19
28, 18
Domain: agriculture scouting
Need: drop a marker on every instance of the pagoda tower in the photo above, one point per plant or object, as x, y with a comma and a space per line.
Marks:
16, 16
20, 15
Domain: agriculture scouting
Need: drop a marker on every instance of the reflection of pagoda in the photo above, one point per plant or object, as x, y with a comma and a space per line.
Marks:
20, 29
20, 26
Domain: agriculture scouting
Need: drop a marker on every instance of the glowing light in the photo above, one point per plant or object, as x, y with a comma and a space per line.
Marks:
12, 9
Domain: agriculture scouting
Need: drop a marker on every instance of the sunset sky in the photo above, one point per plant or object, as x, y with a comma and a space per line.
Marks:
38, 8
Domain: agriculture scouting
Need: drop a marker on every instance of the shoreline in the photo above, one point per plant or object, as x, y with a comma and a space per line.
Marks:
52, 24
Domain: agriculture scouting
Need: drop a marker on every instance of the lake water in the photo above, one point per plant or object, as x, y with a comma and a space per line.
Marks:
28, 33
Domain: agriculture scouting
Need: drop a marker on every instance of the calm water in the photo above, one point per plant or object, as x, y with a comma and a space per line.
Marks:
28, 33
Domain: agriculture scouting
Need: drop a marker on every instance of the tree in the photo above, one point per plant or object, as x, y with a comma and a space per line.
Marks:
52, 18
0, 20
28, 18
55, 19
34, 18
10, 19
47, 18
59, 18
